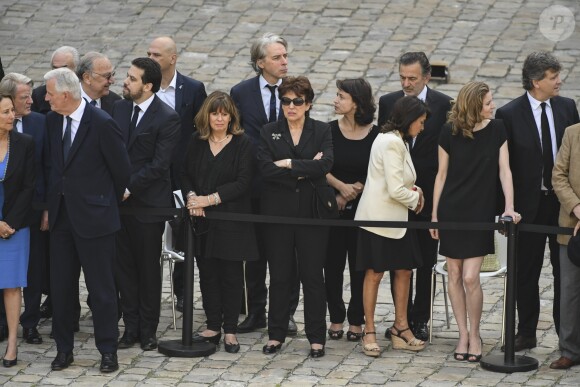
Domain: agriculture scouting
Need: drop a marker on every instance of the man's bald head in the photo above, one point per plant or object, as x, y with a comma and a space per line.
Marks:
164, 51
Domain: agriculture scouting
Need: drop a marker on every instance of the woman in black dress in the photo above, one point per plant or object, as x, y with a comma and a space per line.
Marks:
217, 177
295, 155
472, 149
352, 137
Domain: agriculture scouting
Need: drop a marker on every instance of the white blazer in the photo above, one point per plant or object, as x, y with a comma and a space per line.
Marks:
388, 192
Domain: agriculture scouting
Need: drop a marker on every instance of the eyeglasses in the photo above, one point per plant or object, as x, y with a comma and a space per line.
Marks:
296, 101
107, 76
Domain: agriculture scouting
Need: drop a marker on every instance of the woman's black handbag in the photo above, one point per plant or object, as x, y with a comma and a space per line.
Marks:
324, 204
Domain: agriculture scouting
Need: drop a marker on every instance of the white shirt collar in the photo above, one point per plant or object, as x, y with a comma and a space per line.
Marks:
89, 99
534, 103
423, 94
263, 82
145, 104
172, 83
78, 113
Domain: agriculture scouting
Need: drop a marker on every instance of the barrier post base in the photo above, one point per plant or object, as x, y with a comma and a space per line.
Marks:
498, 363
175, 348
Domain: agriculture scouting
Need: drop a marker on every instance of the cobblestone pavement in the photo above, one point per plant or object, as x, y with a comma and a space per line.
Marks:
329, 39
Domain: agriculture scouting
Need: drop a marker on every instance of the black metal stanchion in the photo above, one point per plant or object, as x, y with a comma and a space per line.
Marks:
185, 347
509, 362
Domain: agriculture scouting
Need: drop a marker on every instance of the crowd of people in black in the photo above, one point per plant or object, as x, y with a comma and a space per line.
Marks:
86, 152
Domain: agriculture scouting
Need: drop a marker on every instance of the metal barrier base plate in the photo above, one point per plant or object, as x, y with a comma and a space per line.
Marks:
175, 348
497, 363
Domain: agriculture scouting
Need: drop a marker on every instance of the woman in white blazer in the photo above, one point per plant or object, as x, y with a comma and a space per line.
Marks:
390, 193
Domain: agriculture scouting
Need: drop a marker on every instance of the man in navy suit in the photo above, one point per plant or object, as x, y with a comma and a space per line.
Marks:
185, 95
258, 102
151, 129
65, 56
415, 73
87, 169
34, 124
96, 74
535, 124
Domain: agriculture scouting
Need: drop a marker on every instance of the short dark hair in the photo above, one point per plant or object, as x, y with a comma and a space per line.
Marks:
361, 93
151, 72
300, 85
407, 110
535, 67
409, 58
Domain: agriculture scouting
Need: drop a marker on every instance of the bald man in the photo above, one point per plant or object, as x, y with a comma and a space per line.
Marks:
185, 95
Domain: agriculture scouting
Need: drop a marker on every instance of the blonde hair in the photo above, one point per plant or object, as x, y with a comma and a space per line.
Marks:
466, 109
215, 102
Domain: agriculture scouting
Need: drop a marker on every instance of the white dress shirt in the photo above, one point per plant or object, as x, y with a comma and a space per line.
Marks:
167, 95
266, 95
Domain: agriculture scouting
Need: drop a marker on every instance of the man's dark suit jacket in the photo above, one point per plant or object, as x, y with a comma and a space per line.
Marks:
280, 191
150, 149
19, 181
189, 96
108, 101
34, 124
91, 182
424, 152
248, 99
526, 150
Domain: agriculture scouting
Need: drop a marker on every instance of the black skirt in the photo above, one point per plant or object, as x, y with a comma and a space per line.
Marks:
382, 254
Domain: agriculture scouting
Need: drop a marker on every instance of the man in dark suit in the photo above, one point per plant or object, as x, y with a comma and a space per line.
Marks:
415, 73
535, 124
65, 56
34, 124
258, 103
151, 130
185, 95
87, 169
96, 74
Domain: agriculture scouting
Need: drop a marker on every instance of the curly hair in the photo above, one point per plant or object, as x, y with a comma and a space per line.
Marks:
466, 109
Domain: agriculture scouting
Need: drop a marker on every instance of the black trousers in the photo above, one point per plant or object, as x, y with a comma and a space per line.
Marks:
221, 284
342, 243
530, 258
418, 310
138, 274
301, 248
70, 252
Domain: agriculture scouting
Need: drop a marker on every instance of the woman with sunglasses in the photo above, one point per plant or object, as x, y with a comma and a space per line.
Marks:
352, 137
216, 178
295, 155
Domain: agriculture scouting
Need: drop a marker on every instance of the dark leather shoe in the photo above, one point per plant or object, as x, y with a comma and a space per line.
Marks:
46, 309
32, 336
421, 330
252, 323
10, 363
179, 304
317, 352
149, 343
215, 339
109, 362
232, 348
62, 361
292, 328
523, 342
270, 349
563, 363
3, 332
128, 340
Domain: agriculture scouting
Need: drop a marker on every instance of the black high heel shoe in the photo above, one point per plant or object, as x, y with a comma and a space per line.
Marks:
317, 352
270, 349
215, 339
232, 347
472, 358
9, 363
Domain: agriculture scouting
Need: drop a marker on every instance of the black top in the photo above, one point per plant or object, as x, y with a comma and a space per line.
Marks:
469, 192
228, 173
351, 157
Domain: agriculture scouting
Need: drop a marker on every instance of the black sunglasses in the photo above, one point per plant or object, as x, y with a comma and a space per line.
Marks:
296, 101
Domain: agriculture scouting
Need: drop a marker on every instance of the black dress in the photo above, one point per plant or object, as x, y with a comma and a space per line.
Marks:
469, 192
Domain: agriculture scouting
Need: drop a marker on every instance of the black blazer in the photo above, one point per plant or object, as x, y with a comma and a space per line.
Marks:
19, 182
281, 189
34, 124
248, 99
93, 179
425, 151
108, 101
150, 148
526, 150
39, 104
189, 96
229, 174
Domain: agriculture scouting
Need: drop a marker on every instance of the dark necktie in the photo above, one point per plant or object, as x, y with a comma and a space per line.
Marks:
15, 125
272, 89
93, 102
547, 155
133, 125
67, 138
